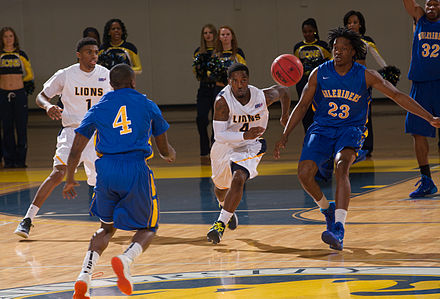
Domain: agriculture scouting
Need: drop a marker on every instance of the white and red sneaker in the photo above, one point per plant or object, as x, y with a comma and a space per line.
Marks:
121, 267
82, 286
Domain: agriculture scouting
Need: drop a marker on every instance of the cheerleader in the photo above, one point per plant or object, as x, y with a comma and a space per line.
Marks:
312, 52
206, 93
355, 21
115, 49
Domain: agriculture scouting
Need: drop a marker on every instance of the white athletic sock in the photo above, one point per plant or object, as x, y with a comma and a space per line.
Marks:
340, 216
323, 203
90, 261
224, 216
133, 251
32, 212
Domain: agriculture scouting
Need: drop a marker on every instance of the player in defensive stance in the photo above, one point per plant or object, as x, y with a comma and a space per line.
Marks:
81, 86
340, 91
240, 118
125, 194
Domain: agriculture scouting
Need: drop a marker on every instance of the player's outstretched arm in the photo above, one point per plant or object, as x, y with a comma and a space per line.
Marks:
375, 80
298, 112
166, 151
53, 111
413, 9
279, 93
79, 143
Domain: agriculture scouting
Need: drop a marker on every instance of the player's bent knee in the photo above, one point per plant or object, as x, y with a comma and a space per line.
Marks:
239, 173
240, 176
306, 174
342, 167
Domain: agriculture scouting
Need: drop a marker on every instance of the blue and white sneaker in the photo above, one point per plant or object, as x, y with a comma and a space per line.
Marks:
329, 214
426, 187
335, 237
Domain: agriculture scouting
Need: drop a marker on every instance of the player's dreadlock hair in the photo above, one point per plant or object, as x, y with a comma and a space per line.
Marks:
354, 38
106, 35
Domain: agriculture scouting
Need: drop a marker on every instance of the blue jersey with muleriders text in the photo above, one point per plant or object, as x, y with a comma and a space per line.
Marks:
425, 60
124, 120
341, 100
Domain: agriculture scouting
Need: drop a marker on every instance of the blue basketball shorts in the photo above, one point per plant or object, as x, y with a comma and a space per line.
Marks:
427, 94
323, 143
125, 194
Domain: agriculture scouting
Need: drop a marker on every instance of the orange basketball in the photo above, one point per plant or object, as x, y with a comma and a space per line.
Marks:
287, 70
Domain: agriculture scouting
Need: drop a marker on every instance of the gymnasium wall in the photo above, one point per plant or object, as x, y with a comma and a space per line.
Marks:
166, 33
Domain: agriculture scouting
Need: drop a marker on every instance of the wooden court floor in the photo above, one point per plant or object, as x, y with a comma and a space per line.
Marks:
391, 247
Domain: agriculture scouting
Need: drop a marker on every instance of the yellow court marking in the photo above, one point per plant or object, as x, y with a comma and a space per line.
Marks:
374, 186
197, 171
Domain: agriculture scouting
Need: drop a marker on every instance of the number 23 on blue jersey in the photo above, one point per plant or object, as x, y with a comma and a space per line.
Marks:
343, 108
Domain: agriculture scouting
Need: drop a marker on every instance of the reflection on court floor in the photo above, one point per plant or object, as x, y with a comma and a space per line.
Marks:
391, 251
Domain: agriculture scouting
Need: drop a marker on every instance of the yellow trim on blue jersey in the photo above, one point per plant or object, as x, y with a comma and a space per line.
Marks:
152, 152
155, 214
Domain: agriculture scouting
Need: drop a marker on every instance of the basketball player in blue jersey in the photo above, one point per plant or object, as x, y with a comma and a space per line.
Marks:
425, 75
339, 89
125, 195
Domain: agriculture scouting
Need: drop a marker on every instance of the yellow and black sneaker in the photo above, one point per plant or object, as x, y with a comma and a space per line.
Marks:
216, 232
233, 222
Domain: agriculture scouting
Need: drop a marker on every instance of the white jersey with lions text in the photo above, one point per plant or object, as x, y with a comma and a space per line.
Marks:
79, 91
244, 117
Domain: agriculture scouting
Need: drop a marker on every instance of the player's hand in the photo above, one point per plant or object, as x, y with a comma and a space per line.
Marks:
435, 122
253, 133
281, 144
69, 190
284, 119
171, 157
54, 112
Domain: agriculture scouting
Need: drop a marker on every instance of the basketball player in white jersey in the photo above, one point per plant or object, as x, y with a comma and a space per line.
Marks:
240, 118
81, 86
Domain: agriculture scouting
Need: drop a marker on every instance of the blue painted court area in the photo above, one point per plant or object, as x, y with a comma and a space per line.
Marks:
266, 200
361, 282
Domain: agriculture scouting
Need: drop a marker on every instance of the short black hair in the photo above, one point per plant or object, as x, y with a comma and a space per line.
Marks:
362, 28
84, 42
354, 38
92, 30
121, 76
237, 67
